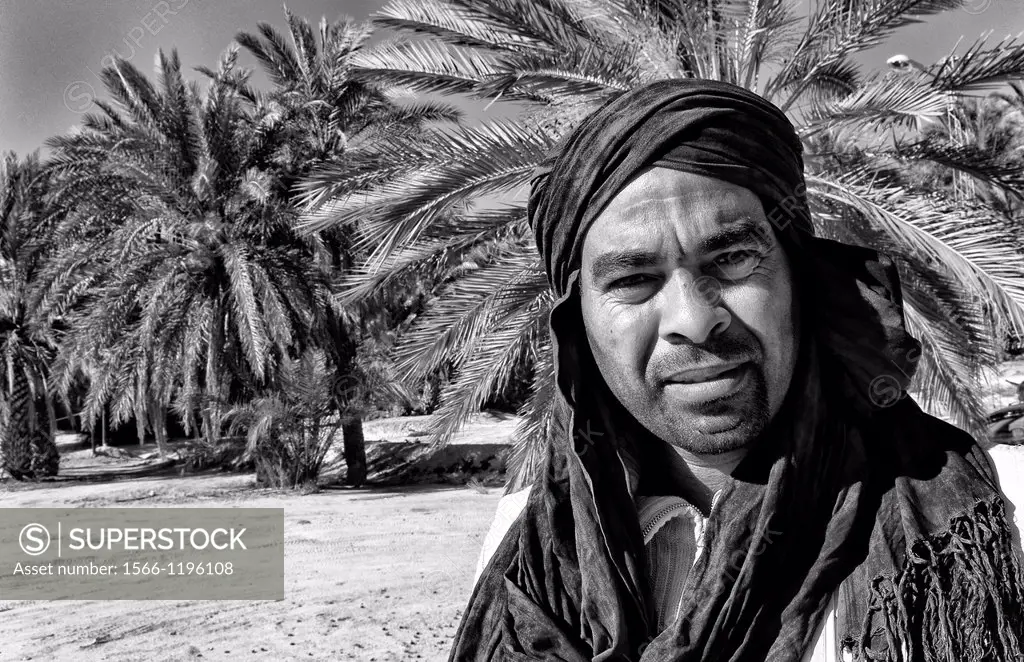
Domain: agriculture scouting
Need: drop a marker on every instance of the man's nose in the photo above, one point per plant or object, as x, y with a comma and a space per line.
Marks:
692, 308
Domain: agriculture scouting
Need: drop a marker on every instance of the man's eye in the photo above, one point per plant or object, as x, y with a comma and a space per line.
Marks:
634, 280
735, 265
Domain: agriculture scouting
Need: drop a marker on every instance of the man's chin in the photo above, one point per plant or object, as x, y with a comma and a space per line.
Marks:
716, 436
715, 433
717, 426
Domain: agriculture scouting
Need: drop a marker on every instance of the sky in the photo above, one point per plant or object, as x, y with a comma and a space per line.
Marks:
51, 51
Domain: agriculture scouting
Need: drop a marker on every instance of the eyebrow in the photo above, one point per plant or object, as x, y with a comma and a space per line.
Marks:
744, 231
612, 262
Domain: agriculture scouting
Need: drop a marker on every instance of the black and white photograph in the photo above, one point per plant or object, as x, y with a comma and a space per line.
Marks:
512, 330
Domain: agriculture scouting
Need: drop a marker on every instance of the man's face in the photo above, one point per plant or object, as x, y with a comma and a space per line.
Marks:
688, 307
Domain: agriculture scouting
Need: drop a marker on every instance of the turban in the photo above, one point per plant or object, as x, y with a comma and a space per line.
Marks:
705, 127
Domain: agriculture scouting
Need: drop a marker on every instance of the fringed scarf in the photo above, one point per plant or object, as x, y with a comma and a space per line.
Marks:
851, 492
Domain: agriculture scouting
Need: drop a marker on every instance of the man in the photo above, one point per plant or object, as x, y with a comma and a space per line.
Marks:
741, 475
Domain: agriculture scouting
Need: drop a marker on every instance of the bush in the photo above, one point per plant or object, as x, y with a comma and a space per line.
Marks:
229, 454
292, 456
289, 431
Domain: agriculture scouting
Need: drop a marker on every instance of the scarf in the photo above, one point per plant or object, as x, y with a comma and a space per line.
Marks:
852, 491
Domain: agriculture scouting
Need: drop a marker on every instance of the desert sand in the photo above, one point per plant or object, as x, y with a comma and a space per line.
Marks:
372, 574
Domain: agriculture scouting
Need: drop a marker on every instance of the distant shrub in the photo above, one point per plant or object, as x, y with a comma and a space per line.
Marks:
289, 431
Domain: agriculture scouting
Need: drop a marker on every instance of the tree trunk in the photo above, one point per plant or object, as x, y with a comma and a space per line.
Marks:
51, 411
17, 438
355, 451
211, 413
208, 431
45, 458
158, 422
141, 414
103, 427
160, 431
28, 451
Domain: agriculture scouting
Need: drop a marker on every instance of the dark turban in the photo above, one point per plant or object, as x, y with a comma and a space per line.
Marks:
704, 127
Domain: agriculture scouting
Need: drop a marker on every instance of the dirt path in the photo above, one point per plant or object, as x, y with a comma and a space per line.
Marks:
370, 575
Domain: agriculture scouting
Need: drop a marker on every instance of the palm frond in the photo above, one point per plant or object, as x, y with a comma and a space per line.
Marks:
981, 68
534, 435
487, 370
968, 159
838, 29
425, 67
946, 375
490, 158
452, 326
250, 325
303, 43
556, 77
559, 24
887, 101
437, 251
456, 25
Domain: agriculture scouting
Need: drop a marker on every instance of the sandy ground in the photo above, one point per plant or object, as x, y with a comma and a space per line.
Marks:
1000, 385
374, 574
369, 575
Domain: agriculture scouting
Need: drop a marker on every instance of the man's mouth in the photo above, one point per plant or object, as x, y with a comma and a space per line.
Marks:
706, 383
706, 373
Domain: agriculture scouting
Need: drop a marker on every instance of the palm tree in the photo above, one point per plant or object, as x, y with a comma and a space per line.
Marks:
995, 125
987, 132
557, 60
324, 121
184, 281
26, 338
322, 111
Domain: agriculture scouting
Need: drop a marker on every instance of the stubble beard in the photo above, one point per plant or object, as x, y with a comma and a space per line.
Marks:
709, 428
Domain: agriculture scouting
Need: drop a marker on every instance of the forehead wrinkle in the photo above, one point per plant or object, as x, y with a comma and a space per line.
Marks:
727, 203
723, 217
667, 197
